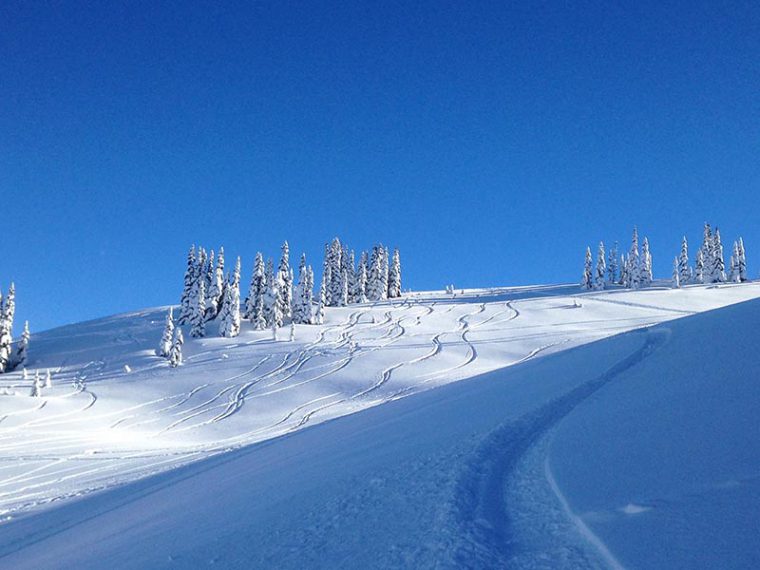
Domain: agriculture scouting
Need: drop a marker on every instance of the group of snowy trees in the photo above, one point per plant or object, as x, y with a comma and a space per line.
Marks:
709, 265
632, 270
11, 356
274, 297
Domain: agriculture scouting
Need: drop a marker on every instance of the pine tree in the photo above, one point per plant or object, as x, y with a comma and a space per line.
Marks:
646, 264
37, 386
303, 295
343, 300
216, 283
286, 282
386, 271
198, 322
259, 321
624, 277
256, 290
308, 299
633, 263
718, 273
612, 265
185, 311
335, 263
7, 310
394, 276
230, 315
175, 355
708, 260
601, 267
360, 294
742, 262
21, 356
48, 379
165, 346
699, 267
676, 282
587, 281
352, 277
319, 318
684, 270
733, 264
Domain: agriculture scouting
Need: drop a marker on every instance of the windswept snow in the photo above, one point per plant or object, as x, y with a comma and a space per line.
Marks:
469, 475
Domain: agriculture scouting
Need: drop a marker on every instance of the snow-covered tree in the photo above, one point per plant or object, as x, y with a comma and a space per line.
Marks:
186, 311
285, 275
676, 281
303, 295
334, 261
624, 277
741, 262
684, 271
165, 346
612, 265
22, 350
229, 326
319, 317
198, 322
699, 267
7, 310
718, 272
215, 292
353, 275
377, 280
256, 291
48, 379
646, 264
386, 269
587, 282
37, 386
394, 276
360, 292
601, 267
175, 355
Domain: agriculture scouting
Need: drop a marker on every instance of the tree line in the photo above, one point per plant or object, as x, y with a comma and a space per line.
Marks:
211, 296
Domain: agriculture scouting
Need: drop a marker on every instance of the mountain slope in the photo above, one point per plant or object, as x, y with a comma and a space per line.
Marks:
454, 476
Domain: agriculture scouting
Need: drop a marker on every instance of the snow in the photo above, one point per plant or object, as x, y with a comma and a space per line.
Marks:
569, 444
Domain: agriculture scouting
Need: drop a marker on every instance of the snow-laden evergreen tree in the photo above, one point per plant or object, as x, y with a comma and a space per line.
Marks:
256, 290
587, 282
718, 272
676, 280
699, 266
48, 379
216, 292
386, 269
352, 277
7, 310
198, 322
624, 277
646, 264
258, 320
634, 262
273, 303
303, 295
360, 293
185, 310
22, 350
708, 259
612, 265
394, 276
319, 317
37, 385
229, 326
601, 267
343, 300
165, 346
335, 263
374, 278
286, 282
175, 355
684, 271
742, 262
308, 300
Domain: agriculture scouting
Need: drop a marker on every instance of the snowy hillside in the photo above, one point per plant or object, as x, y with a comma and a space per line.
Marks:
557, 454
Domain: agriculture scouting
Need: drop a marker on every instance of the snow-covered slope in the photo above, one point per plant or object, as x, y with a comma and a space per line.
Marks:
527, 463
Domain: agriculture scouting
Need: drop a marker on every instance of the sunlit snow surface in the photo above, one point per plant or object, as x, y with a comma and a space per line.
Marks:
117, 413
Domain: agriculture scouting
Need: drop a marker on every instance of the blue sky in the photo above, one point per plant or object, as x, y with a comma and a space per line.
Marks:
491, 142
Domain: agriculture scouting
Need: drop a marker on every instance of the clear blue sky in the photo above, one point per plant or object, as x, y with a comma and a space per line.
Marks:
491, 142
